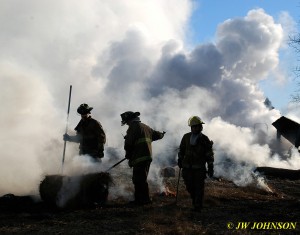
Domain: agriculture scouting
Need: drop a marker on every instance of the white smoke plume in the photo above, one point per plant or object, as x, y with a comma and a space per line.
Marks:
132, 55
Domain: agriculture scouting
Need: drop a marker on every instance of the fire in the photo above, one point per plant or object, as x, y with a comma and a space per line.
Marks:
167, 193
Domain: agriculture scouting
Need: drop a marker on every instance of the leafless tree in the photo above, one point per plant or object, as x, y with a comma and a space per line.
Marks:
294, 42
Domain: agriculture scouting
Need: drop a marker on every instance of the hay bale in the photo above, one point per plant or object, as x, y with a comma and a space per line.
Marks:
279, 173
50, 187
75, 191
11, 203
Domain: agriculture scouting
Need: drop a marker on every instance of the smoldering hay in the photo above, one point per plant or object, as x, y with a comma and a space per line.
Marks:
132, 56
77, 191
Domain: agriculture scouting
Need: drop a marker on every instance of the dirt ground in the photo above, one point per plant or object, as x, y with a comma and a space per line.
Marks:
226, 208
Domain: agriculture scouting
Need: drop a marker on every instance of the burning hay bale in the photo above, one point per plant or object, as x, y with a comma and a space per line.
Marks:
167, 192
10, 202
279, 173
50, 187
167, 172
75, 191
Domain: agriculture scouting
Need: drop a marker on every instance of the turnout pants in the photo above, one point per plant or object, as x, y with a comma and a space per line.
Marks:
139, 179
194, 182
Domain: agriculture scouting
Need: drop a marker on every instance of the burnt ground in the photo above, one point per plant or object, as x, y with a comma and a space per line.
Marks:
225, 205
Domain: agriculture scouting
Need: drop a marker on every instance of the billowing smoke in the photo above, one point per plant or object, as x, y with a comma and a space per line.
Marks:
131, 56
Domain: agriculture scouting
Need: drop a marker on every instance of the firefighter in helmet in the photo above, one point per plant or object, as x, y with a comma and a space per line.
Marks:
138, 148
196, 158
89, 134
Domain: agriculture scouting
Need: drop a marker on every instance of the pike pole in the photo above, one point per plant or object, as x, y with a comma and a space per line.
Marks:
177, 186
63, 159
115, 164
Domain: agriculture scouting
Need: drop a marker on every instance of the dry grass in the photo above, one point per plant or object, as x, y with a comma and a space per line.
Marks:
224, 202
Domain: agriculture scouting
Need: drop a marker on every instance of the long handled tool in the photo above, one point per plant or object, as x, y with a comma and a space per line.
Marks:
63, 159
116, 164
177, 186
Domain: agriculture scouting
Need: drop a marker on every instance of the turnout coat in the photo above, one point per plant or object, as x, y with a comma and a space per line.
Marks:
92, 137
196, 156
138, 141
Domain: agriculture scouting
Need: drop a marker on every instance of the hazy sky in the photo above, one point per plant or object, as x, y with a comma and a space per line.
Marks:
207, 15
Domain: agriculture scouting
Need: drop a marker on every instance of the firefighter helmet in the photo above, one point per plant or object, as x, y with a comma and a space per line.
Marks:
127, 116
84, 109
195, 120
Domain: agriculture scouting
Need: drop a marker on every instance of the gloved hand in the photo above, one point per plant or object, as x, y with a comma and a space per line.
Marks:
179, 163
162, 134
101, 154
66, 137
210, 172
127, 156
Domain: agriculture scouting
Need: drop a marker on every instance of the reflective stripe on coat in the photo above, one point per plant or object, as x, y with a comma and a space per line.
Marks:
138, 141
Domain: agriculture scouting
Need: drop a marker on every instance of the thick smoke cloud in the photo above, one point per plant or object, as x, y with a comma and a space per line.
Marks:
131, 56
201, 67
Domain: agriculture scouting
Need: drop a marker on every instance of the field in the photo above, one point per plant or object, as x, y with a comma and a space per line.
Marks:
226, 207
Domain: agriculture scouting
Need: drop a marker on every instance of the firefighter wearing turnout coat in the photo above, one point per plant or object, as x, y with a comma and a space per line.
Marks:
89, 134
138, 148
195, 152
